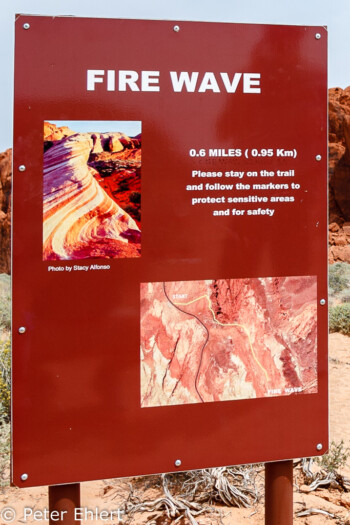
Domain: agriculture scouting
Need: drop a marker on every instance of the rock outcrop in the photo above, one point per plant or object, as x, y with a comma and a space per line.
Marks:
339, 175
227, 339
53, 132
82, 219
5, 210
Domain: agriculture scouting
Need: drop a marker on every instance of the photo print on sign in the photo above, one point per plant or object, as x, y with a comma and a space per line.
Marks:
228, 339
91, 190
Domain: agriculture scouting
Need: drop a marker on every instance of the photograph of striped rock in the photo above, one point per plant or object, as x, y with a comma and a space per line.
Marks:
91, 190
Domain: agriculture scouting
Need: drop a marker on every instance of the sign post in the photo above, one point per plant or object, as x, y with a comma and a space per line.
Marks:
279, 493
63, 502
169, 247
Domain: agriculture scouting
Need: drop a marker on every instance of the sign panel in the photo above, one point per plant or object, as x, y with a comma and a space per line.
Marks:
169, 246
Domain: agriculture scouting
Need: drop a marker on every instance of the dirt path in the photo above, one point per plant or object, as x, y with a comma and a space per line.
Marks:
339, 387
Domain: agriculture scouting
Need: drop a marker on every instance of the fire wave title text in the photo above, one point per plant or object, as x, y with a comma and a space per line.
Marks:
127, 80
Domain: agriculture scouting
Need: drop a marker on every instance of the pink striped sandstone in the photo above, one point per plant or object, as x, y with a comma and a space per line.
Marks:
80, 219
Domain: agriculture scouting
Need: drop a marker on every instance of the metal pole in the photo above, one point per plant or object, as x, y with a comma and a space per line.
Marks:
63, 500
279, 493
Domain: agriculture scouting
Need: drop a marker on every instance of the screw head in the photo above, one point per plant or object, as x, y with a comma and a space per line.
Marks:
26, 26
21, 329
323, 302
176, 29
178, 463
319, 446
24, 477
317, 36
318, 157
22, 167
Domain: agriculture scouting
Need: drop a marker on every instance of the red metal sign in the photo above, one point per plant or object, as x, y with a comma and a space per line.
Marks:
169, 247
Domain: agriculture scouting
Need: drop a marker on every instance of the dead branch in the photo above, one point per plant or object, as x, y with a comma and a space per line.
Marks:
233, 486
174, 507
313, 511
306, 466
323, 479
184, 494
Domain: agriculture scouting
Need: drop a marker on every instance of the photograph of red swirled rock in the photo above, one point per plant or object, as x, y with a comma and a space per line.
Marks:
91, 190
228, 339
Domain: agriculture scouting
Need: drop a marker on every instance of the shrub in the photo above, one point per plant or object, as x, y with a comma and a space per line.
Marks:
5, 380
5, 302
5, 442
335, 458
339, 318
339, 275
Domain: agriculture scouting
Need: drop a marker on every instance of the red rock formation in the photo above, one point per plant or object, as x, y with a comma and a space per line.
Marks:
52, 132
227, 339
118, 171
81, 220
5, 210
339, 175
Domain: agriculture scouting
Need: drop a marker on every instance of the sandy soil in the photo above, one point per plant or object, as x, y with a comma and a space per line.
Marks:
110, 494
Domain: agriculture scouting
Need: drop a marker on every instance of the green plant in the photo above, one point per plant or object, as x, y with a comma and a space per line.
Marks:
5, 380
339, 318
5, 302
5, 442
339, 275
335, 458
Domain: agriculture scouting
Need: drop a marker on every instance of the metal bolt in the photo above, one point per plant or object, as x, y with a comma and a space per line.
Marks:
323, 302
317, 36
318, 157
178, 463
24, 477
26, 26
319, 446
22, 167
176, 29
21, 329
